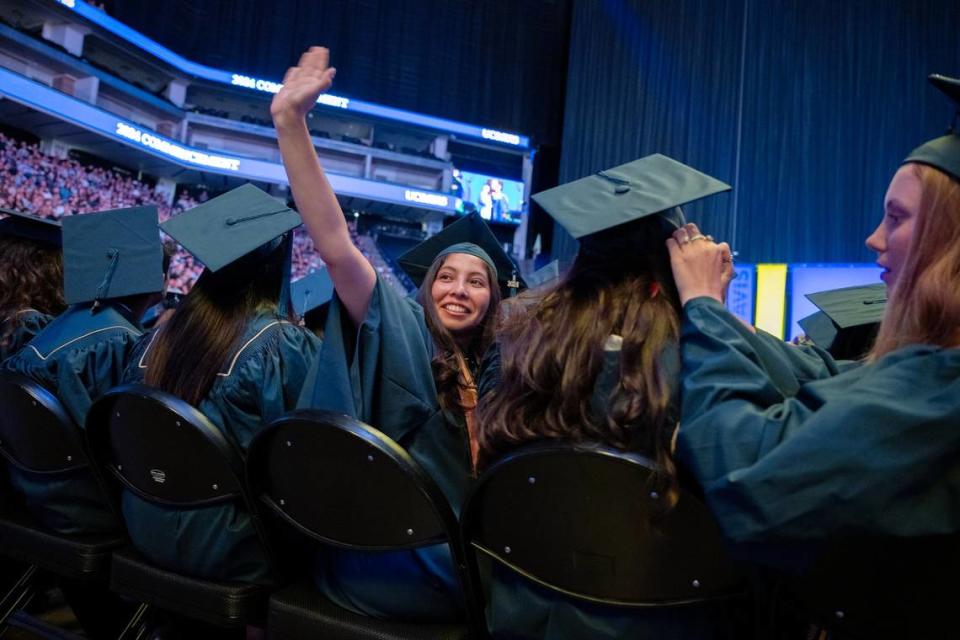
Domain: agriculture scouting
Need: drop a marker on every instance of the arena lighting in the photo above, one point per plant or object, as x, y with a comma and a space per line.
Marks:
174, 150
771, 298
198, 70
500, 136
268, 86
425, 197
740, 294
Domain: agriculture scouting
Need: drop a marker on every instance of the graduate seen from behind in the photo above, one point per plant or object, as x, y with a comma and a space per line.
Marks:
232, 350
593, 359
873, 451
31, 278
113, 272
406, 367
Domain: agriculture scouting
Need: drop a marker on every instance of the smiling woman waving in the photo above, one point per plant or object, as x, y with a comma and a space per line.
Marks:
406, 367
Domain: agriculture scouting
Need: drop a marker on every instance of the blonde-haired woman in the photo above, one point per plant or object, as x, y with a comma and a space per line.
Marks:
873, 452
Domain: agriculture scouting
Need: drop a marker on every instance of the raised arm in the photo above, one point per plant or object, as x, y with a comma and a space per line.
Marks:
353, 276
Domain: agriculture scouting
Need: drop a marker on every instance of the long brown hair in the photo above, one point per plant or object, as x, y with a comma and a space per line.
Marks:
446, 366
924, 304
193, 345
31, 277
552, 354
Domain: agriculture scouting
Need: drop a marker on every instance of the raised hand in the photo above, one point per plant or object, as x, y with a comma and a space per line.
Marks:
701, 267
302, 85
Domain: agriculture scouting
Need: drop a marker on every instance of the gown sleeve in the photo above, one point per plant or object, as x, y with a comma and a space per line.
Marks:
873, 450
379, 373
788, 366
29, 324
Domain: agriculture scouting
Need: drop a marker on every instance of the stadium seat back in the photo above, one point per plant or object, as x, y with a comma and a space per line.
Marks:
162, 449
166, 452
36, 433
587, 523
343, 483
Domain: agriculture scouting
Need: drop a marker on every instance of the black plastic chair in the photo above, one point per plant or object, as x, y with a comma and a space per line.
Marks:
168, 453
38, 437
343, 483
585, 524
874, 588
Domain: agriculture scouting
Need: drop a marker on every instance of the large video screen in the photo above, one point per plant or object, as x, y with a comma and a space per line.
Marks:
497, 199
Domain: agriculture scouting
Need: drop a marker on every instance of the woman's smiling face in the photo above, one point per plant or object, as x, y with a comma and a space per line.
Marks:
461, 292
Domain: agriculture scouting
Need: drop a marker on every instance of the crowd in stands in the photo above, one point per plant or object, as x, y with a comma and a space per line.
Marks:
34, 182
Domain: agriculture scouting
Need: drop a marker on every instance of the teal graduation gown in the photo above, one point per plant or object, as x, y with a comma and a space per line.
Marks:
788, 366
78, 356
260, 381
874, 450
381, 374
27, 324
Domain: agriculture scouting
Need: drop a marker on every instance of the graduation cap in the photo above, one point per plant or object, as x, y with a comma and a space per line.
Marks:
40, 230
111, 254
545, 274
943, 152
847, 322
633, 191
469, 235
311, 291
228, 227
310, 296
235, 225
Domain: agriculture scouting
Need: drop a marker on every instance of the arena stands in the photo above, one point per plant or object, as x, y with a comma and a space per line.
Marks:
52, 187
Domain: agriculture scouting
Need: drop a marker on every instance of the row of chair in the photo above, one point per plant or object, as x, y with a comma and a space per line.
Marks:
575, 521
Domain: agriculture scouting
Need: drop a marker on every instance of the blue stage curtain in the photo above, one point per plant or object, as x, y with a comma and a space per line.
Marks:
805, 106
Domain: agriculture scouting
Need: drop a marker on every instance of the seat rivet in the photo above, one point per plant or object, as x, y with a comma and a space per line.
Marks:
654, 495
69, 458
369, 458
839, 615
178, 423
282, 502
34, 402
215, 487
119, 467
409, 532
507, 549
532, 480
118, 414
695, 583
289, 444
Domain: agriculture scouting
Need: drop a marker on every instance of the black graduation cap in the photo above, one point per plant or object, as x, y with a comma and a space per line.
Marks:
21, 225
228, 227
233, 225
943, 152
847, 322
608, 199
111, 254
310, 296
311, 291
469, 235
